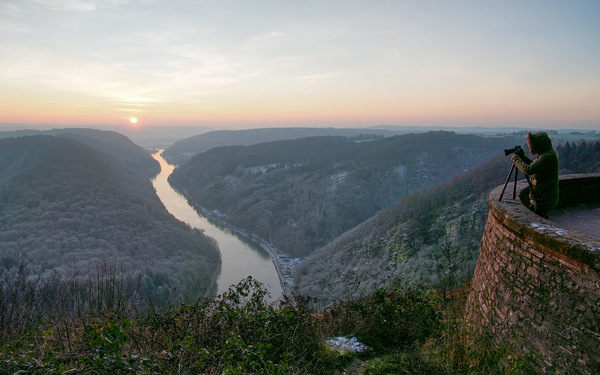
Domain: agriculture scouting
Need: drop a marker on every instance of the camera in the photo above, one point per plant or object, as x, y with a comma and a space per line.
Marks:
514, 150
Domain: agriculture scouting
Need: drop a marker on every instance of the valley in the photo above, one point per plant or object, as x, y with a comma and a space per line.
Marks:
324, 214
98, 251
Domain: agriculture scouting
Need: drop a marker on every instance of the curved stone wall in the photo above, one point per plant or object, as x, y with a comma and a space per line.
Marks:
536, 288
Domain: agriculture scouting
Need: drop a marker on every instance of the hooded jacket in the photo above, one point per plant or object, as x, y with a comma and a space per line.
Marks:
543, 170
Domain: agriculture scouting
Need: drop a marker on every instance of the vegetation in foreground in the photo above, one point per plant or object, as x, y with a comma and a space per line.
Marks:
240, 332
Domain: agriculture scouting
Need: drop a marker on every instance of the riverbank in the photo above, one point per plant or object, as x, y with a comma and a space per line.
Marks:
283, 263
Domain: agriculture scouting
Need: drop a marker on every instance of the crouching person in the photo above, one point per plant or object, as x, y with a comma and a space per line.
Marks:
543, 171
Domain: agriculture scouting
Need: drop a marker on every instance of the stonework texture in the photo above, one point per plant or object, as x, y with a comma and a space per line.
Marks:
536, 288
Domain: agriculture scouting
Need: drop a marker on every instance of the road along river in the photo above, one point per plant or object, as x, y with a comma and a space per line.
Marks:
240, 258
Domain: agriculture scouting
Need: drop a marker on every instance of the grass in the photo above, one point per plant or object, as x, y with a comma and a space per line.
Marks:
240, 332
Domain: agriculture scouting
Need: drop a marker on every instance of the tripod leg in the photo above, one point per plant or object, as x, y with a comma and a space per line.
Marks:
515, 185
506, 183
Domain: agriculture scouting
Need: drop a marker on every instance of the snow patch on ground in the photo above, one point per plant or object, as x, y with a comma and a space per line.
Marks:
548, 228
345, 343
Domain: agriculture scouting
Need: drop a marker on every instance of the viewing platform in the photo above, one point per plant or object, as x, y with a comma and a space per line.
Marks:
536, 288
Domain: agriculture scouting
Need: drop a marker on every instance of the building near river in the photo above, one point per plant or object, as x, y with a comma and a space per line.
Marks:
287, 266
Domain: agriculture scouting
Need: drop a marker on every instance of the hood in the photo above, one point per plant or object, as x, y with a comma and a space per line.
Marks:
540, 142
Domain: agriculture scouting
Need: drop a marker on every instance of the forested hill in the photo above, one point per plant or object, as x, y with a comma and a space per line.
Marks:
68, 210
126, 153
183, 150
301, 194
430, 238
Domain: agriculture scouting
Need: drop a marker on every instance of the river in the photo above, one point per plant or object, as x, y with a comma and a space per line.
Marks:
240, 258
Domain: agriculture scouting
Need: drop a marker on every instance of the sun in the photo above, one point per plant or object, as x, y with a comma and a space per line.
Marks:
133, 120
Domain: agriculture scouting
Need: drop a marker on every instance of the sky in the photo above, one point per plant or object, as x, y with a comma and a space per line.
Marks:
332, 63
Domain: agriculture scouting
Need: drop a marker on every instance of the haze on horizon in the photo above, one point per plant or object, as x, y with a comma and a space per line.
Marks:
252, 63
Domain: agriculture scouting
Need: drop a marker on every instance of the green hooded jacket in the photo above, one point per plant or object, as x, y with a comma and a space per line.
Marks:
543, 170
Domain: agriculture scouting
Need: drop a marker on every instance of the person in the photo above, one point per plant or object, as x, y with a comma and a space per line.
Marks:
543, 171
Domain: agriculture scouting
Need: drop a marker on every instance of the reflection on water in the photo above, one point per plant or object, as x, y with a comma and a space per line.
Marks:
239, 258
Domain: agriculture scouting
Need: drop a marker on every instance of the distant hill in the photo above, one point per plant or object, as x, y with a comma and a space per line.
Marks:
430, 238
73, 203
183, 150
301, 194
128, 154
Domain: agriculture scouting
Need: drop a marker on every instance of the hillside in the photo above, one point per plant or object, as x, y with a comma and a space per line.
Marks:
430, 238
301, 194
183, 150
129, 155
71, 211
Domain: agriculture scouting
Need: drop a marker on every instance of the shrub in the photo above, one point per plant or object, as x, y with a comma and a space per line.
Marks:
386, 319
237, 333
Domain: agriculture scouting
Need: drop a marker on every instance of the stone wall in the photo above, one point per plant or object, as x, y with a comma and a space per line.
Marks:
536, 289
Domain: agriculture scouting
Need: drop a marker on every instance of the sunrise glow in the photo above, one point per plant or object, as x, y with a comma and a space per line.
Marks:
332, 63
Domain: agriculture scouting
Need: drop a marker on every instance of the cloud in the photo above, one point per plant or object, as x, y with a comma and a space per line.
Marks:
277, 34
182, 51
63, 5
11, 10
76, 5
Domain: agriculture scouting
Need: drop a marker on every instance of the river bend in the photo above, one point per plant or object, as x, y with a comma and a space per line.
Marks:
240, 258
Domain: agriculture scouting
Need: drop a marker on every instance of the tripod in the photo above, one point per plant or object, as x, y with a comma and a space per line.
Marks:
516, 170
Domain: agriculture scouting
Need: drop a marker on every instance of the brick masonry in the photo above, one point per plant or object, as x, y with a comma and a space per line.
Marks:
536, 288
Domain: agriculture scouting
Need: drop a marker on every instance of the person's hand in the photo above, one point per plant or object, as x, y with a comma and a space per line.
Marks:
514, 158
